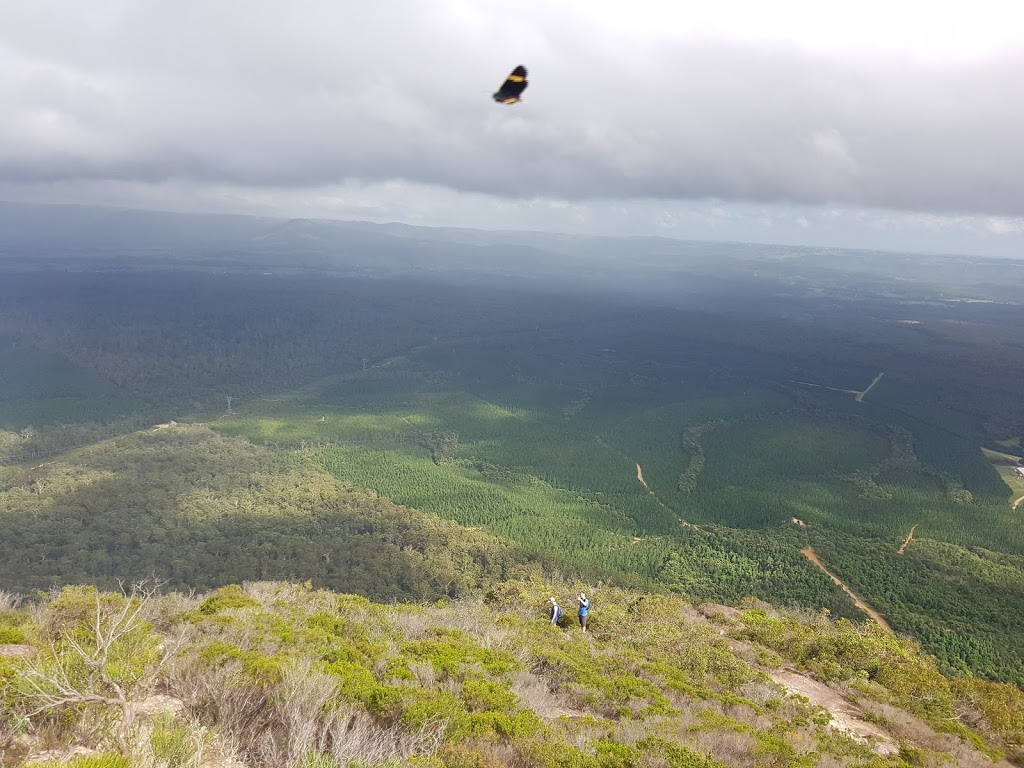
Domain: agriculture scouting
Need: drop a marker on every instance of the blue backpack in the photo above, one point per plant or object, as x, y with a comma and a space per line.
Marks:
558, 613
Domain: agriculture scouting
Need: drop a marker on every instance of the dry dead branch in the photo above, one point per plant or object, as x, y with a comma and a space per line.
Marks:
9, 601
76, 668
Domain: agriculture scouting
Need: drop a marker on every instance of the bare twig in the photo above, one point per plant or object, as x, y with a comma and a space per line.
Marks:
9, 601
56, 679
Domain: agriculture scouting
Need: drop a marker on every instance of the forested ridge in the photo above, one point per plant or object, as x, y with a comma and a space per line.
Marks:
195, 510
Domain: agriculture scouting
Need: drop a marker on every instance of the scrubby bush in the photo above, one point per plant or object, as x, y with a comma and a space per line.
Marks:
227, 598
995, 707
91, 761
327, 680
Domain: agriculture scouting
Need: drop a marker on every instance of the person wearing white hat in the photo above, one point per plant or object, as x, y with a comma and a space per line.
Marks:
556, 611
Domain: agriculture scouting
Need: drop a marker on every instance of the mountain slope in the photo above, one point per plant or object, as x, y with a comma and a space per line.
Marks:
197, 510
278, 675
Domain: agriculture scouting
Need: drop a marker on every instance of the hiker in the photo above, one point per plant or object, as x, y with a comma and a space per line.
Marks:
556, 611
584, 609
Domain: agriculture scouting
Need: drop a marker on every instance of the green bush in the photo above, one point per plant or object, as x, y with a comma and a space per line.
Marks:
11, 635
676, 756
318, 760
425, 706
450, 649
348, 638
487, 696
171, 741
225, 599
356, 682
255, 667
505, 726
1001, 705
109, 760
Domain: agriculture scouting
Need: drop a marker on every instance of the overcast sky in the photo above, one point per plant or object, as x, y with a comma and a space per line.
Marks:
866, 124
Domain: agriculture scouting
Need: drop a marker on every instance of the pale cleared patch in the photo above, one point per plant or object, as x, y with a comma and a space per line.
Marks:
846, 717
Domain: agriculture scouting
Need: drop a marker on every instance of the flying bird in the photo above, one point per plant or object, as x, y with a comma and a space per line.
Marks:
513, 87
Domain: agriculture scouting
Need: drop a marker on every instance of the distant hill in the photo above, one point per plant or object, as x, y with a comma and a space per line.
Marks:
669, 270
75, 228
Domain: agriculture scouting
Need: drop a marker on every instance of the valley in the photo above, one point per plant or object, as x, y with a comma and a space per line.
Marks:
659, 439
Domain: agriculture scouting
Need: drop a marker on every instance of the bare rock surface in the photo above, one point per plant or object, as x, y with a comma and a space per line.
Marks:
158, 704
846, 717
12, 650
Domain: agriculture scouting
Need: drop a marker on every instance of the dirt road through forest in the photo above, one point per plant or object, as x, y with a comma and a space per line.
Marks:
860, 397
640, 477
810, 554
903, 546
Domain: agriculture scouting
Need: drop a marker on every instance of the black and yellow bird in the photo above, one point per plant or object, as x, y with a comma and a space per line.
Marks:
513, 87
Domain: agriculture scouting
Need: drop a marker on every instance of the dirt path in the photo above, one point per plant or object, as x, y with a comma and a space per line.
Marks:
195, 423
857, 394
860, 398
824, 386
640, 477
906, 541
1005, 464
1001, 457
810, 554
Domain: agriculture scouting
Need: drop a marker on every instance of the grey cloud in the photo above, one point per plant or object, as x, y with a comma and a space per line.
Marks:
277, 94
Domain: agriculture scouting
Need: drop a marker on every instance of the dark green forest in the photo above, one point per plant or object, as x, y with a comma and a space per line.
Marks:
411, 429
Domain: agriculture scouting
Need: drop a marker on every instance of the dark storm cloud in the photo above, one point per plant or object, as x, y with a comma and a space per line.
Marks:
280, 94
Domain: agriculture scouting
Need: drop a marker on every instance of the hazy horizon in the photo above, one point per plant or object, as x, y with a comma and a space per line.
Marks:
907, 249
887, 128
